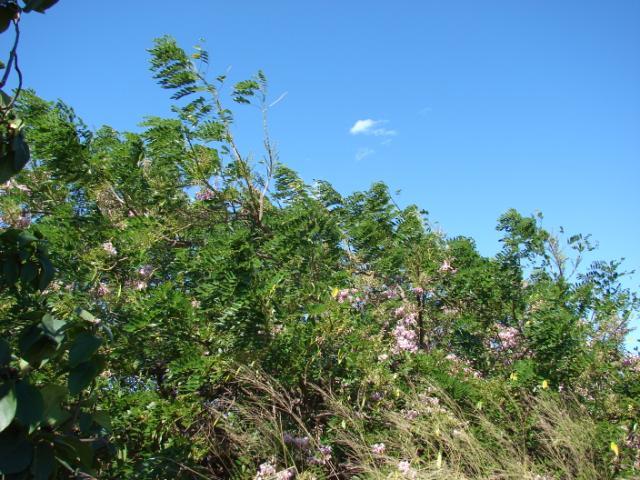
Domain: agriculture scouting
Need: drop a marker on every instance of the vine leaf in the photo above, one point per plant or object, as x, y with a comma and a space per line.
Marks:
8, 405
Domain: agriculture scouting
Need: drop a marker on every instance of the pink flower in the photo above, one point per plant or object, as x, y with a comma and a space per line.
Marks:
287, 474
508, 337
265, 470
405, 335
109, 248
145, 271
390, 294
24, 220
325, 450
205, 194
418, 290
377, 396
446, 267
404, 467
299, 442
103, 290
378, 448
410, 414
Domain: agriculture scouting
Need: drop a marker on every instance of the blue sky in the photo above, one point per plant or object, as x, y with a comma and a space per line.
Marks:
469, 108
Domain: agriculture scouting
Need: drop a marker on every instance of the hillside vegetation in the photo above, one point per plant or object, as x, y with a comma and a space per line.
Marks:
170, 309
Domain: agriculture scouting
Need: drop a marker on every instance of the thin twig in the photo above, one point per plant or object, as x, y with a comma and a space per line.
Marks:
12, 55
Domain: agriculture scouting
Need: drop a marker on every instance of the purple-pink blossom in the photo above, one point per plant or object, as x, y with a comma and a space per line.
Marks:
378, 448
103, 289
508, 337
265, 470
145, 271
404, 467
205, 194
405, 335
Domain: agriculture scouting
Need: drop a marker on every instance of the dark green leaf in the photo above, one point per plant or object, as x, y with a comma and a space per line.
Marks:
37, 345
28, 272
82, 375
53, 396
5, 353
84, 422
16, 452
10, 271
84, 346
39, 5
8, 405
21, 153
73, 451
30, 404
47, 273
102, 419
43, 462
6, 14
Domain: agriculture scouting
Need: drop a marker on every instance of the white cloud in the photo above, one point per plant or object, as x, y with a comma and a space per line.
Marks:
363, 153
371, 127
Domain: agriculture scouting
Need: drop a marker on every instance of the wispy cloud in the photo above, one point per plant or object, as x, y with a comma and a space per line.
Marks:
363, 153
371, 127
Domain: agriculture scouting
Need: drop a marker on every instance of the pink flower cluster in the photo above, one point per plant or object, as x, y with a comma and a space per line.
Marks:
378, 448
405, 334
347, 295
24, 220
509, 338
463, 365
632, 362
446, 267
410, 414
145, 271
377, 396
103, 290
205, 194
390, 294
267, 470
323, 457
299, 442
109, 248
404, 467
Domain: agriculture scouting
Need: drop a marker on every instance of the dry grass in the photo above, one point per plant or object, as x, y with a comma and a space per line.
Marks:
432, 433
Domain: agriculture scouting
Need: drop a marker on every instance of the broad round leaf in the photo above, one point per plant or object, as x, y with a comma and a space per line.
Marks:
30, 404
82, 375
8, 405
43, 462
5, 353
16, 452
84, 346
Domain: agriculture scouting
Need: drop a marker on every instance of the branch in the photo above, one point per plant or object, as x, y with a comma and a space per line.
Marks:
13, 59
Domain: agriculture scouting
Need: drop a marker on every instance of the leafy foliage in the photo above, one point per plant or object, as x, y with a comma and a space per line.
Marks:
209, 318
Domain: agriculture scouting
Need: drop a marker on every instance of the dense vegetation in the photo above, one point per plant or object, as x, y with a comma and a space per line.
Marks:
211, 318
